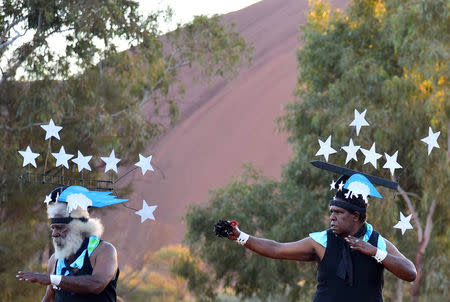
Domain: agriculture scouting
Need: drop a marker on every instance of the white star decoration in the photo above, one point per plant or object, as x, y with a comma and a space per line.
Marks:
359, 120
391, 162
51, 130
332, 185
62, 158
431, 139
404, 223
29, 157
47, 199
82, 161
111, 162
144, 163
341, 186
146, 212
325, 148
351, 151
371, 156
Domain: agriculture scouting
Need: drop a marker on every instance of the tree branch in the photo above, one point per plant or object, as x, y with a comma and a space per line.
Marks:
28, 51
413, 212
8, 28
3, 45
429, 224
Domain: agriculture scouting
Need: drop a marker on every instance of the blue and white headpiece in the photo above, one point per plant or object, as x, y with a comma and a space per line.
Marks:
358, 184
80, 197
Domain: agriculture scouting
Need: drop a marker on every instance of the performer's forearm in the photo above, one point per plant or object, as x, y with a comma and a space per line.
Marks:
400, 267
264, 247
86, 284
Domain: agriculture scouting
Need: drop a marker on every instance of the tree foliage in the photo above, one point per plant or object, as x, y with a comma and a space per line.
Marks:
391, 58
95, 92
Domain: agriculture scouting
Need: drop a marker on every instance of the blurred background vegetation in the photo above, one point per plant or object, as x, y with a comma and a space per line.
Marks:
389, 57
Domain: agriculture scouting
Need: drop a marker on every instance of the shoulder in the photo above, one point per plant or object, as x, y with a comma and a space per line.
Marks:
104, 255
378, 241
105, 248
320, 237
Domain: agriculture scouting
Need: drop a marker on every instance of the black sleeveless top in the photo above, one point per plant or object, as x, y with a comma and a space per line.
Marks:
107, 295
367, 274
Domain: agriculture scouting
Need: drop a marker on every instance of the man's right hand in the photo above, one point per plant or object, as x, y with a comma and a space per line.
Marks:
235, 235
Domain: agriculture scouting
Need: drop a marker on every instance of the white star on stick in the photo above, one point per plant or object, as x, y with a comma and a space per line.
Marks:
431, 139
371, 156
351, 151
404, 223
47, 199
111, 162
51, 130
359, 120
29, 157
391, 162
144, 163
146, 212
325, 148
82, 161
62, 158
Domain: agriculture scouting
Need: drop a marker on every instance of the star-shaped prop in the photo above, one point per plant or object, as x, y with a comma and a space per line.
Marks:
29, 157
51, 130
146, 212
47, 199
341, 186
351, 151
325, 148
371, 156
82, 161
404, 223
144, 163
62, 158
359, 120
111, 162
431, 139
391, 162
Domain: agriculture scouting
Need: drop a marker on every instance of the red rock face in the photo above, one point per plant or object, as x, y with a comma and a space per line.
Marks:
222, 126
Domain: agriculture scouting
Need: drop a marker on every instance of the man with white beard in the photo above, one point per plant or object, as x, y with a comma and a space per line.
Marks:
83, 267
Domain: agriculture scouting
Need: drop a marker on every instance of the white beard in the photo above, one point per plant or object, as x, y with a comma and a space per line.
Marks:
66, 247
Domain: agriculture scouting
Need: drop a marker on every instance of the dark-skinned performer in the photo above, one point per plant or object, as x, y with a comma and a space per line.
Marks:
351, 255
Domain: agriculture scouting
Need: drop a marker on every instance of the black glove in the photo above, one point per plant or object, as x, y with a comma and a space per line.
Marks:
223, 228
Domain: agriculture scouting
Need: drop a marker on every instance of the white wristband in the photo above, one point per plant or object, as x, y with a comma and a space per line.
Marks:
242, 239
55, 279
380, 255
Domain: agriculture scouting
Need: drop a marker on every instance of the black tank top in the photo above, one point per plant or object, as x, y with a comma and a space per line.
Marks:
367, 274
107, 295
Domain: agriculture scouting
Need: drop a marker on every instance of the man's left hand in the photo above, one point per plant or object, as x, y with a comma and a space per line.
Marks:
361, 246
32, 277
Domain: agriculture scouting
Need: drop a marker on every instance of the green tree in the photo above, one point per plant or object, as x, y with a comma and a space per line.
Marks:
391, 58
95, 92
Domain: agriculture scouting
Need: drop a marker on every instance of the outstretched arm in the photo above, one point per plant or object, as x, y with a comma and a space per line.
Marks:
302, 250
104, 264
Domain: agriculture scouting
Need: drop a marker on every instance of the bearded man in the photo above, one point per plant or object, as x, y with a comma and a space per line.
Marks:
83, 267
